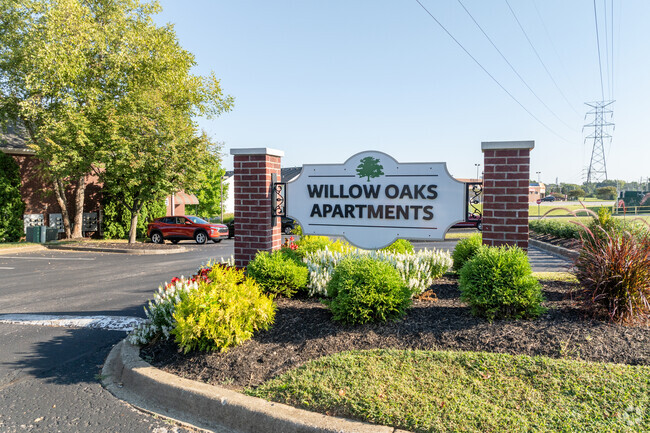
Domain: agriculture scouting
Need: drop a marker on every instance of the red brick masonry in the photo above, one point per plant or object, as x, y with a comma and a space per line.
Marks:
505, 192
253, 229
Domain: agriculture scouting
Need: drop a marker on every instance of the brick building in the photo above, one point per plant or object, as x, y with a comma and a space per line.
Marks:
41, 207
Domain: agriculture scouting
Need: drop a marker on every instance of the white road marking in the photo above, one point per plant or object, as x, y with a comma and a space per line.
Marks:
47, 258
111, 323
3, 267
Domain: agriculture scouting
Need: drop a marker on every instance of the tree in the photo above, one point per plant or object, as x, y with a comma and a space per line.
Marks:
210, 190
11, 203
576, 193
50, 82
116, 220
606, 193
369, 167
103, 89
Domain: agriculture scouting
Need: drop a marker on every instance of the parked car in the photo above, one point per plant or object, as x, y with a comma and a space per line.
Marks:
473, 221
288, 224
549, 198
231, 228
181, 227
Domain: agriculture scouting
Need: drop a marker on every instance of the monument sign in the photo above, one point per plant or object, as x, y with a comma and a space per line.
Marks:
372, 199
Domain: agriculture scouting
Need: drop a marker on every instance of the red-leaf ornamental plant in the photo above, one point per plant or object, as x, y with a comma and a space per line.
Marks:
614, 271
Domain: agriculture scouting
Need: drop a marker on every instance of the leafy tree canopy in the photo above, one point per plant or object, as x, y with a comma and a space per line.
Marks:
101, 87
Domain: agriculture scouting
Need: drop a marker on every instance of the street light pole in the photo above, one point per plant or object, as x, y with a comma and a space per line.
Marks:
477, 166
221, 197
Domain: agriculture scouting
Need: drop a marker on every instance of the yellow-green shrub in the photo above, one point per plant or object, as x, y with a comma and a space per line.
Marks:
309, 244
222, 313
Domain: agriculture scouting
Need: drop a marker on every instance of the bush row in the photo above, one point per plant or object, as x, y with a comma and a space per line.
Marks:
555, 227
220, 307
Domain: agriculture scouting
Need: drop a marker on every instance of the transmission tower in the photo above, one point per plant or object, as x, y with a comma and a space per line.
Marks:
597, 171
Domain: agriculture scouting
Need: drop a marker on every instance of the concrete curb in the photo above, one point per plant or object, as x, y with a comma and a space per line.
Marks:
115, 250
554, 249
130, 378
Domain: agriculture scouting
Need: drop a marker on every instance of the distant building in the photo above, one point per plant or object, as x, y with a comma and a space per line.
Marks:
536, 191
287, 175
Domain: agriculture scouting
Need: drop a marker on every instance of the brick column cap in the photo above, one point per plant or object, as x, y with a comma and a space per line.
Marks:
257, 151
502, 145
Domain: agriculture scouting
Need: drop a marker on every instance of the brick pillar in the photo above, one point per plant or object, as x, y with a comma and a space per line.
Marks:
506, 175
253, 222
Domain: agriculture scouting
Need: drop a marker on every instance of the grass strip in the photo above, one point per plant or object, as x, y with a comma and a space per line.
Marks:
458, 235
426, 391
17, 244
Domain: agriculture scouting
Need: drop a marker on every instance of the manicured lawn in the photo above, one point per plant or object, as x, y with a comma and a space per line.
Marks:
428, 391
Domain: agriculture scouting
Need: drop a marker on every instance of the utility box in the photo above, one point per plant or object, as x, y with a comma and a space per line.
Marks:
33, 234
49, 234
41, 234
56, 221
90, 222
32, 220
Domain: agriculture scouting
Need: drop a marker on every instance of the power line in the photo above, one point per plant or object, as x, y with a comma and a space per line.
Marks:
540, 58
550, 39
609, 88
488, 73
612, 77
600, 63
513, 68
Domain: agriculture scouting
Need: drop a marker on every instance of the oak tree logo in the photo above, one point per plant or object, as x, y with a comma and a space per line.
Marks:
369, 167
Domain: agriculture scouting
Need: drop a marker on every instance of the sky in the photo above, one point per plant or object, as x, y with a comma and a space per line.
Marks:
324, 80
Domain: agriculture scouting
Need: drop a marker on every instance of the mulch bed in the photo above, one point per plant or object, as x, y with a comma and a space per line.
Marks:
303, 331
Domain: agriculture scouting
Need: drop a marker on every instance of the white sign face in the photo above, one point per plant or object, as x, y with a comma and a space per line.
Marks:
371, 199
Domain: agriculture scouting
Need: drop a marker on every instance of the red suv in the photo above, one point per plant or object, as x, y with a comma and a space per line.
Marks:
177, 228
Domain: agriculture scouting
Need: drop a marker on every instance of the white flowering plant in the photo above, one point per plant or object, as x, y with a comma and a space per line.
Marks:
160, 311
418, 269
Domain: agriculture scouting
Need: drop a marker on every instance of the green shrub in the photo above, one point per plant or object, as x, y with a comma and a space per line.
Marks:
12, 206
365, 290
222, 313
277, 273
400, 246
498, 283
465, 249
293, 254
614, 271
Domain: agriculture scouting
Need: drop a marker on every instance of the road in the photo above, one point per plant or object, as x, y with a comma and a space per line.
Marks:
49, 376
